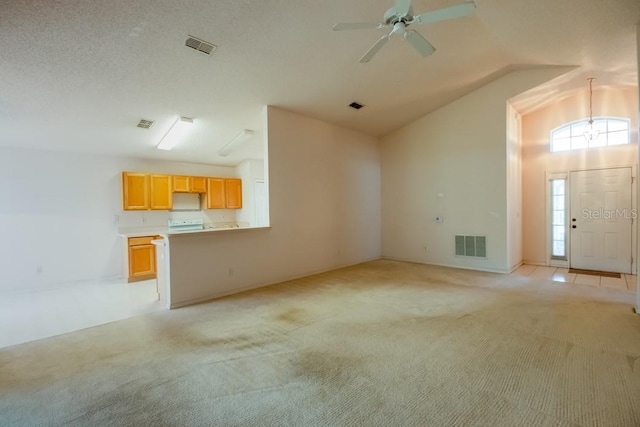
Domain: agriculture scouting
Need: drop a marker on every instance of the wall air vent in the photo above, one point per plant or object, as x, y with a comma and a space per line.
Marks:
356, 105
473, 246
145, 124
200, 45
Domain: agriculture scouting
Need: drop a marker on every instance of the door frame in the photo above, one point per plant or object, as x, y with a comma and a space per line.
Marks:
549, 175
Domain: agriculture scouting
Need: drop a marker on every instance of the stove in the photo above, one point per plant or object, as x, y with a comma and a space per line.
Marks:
185, 224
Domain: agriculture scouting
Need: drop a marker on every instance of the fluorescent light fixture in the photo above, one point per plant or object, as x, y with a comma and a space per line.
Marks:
175, 133
235, 142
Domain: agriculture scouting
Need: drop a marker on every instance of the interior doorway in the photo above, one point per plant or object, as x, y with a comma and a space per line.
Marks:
601, 220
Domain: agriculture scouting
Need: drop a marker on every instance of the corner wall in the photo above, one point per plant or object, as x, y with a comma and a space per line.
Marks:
324, 208
453, 163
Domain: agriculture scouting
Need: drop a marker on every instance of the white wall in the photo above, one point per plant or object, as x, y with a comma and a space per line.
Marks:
249, 171
453, 162
324, 208
57, 212
638, 127
537, 159
514, 188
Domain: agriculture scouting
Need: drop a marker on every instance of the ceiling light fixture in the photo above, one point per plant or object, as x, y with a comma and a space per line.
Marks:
591, 133
175, 133
243, 136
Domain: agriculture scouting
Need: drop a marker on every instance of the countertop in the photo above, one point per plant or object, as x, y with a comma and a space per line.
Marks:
164, 231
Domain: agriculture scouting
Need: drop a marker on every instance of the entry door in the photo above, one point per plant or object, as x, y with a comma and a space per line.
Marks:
601, 219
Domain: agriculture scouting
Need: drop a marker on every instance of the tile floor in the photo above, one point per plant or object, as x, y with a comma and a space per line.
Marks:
29, 316
627, 282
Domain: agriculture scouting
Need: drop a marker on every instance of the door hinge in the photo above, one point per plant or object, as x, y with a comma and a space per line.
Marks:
632, 179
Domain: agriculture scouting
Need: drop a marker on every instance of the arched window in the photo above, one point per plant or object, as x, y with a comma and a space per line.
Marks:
570, 136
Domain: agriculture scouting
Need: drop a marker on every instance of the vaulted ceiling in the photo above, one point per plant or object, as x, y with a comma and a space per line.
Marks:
79, 75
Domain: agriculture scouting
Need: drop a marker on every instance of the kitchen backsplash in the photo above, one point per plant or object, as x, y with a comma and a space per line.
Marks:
134, 219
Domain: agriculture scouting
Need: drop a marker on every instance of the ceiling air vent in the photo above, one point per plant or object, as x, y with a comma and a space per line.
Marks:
145, 124
356, 105
200, 45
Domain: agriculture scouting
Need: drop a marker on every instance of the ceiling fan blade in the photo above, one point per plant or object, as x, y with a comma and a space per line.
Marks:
357, 26
419, 43
374, 49
457, 11
402, 7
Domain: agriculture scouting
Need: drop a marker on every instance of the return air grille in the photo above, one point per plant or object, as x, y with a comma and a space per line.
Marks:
200, 45
473, 246
145, 124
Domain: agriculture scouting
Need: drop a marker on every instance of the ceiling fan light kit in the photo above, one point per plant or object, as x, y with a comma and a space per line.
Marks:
401, 16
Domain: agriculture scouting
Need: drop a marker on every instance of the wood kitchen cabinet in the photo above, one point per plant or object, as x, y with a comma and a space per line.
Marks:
189, 184
215, 193
180, 184
141, 191
160, 192
135, 191
224, 193
197, 184
233, 193
142, 258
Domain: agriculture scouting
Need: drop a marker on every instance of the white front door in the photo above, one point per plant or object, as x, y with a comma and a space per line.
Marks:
601, 220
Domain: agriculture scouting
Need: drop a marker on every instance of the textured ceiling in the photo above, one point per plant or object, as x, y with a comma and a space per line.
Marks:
78, 75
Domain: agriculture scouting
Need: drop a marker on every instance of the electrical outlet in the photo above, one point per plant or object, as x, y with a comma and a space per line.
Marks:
39, 269
231, 272
116, 219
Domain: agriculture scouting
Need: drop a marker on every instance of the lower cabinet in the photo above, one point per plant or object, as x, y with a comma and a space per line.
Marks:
142, 258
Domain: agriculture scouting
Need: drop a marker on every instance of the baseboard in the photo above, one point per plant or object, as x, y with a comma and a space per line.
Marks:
263, 285
536, 263
486, 270
516, 266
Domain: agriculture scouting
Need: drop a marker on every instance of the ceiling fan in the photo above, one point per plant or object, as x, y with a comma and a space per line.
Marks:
399, 17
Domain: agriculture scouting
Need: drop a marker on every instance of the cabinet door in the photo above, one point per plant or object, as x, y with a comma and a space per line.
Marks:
233, 188
215, 193
180, 184
142, 262
135, 191
161, 192
197, 184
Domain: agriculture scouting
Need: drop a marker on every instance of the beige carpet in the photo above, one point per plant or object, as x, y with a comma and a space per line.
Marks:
383, 343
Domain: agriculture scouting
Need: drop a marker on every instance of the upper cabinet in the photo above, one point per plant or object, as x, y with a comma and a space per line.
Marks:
141, 191
189, 184
197, 184
161, 198
224, 193
215, 193
233, 190
180, 184
135, 191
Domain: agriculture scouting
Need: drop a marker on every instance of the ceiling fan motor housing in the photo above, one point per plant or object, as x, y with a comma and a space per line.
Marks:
391, 17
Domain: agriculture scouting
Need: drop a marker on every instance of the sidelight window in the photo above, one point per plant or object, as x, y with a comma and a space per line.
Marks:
559, 218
